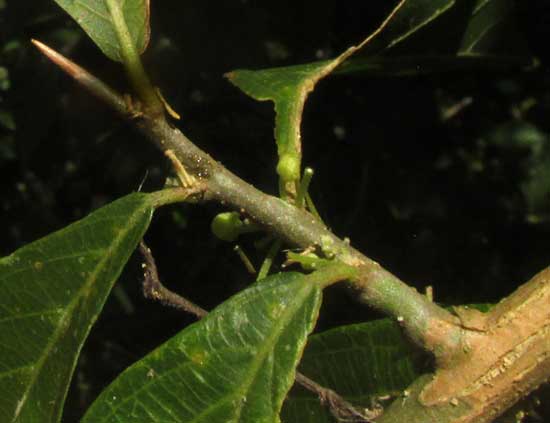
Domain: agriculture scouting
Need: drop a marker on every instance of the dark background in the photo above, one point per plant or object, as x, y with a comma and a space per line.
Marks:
459, 203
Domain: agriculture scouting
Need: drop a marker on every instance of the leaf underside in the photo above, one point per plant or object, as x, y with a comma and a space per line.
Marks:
234, 365
52, 292
94, 17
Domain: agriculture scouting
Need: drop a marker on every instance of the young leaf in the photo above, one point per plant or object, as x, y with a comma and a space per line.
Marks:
95, 18
359, 362
234, 365
52, 292
289, 87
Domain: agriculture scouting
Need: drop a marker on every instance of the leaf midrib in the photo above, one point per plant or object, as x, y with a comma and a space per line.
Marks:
81, 293
262, 354
249, 378
422, 24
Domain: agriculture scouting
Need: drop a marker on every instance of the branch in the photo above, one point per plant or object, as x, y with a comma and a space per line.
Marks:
484, 363
428, 325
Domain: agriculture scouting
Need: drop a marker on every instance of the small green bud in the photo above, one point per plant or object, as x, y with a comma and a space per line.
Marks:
227, 226
309, 261
288, 168
327, 246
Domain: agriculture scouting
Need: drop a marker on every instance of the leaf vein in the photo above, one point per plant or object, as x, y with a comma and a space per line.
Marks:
82, 292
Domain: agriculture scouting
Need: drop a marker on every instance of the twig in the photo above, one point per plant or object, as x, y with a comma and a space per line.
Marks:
153, 288
268, 261
341, 409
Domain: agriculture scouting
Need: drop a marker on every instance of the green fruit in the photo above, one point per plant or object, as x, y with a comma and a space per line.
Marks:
227, 226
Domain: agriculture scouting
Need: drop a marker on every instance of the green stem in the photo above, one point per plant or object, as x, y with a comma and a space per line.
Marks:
173, 195
332, 273
308, 261
268, 261
304, 187
311, 207
244, 258
132, 61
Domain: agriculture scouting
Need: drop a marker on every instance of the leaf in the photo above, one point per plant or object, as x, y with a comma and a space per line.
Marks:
479, 26
360, 362
388, 66
485, 28
410, 18
289, 87
52, 292
235, 365
94, 17
471, 35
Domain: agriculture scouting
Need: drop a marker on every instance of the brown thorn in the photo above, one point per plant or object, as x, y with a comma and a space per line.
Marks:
85, 78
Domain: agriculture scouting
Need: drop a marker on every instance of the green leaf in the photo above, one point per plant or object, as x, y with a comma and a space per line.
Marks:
489, 24
388, 66
471, 34
95, 18
360, 362
475, 35
52, 292
235, 365
410, 18
289, 87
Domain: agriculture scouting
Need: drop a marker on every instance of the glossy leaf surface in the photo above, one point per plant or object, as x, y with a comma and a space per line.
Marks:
52, 292
234, 365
